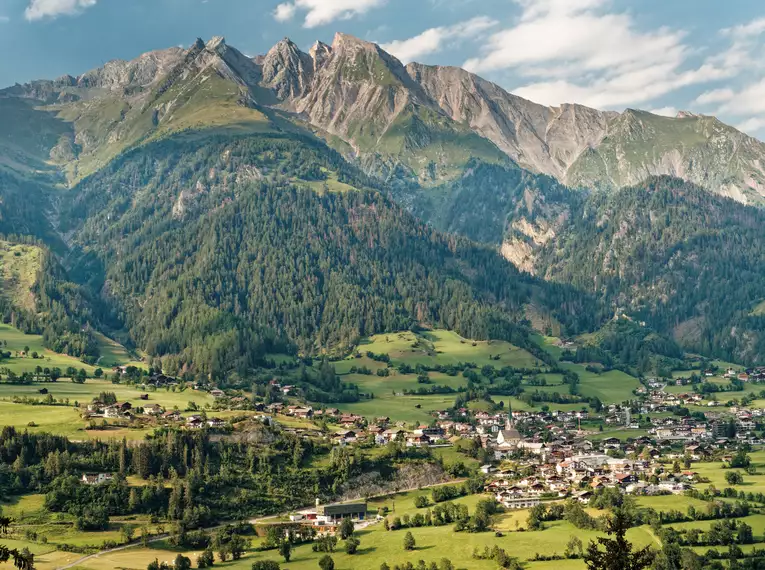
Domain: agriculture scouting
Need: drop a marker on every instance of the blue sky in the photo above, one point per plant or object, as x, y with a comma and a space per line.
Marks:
662, 55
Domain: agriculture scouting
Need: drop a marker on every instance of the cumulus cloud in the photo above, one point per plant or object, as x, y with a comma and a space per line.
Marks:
285, 12
321, 12
434, 40
581, 51
40, 9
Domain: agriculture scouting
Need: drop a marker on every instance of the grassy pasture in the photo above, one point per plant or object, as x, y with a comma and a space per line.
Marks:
66, 420
377, 545
446, 347
112, 353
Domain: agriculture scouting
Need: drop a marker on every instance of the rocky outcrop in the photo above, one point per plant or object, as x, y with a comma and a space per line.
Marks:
425, 122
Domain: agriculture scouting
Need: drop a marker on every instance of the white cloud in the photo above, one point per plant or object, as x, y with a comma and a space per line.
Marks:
665, 111
747, 101
580, 51
715, 96
285, 12
435, 39
321, 12
752, 125
39, 9
753, 28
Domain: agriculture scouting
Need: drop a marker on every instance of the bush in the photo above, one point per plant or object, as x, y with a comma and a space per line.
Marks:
421, 501
206, 559
352, 545
409, 542
346, 528
326, 563
265, 565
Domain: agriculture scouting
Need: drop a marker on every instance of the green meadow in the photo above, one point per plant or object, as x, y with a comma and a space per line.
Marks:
15, 341
66, 420
378, 545
446, 348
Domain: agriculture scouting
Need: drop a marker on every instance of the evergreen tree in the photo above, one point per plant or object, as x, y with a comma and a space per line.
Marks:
618, 553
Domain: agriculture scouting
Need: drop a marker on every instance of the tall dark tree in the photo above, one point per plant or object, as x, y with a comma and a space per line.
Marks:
618, 553
20, 560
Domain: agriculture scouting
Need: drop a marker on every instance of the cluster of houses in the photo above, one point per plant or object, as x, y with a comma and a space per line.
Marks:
125, 410
575, 467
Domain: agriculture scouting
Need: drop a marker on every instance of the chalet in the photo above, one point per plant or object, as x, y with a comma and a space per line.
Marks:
172, 416
433, 432
345, 436
350, 420
195, 422
624, 479
118, 410
393, 434
152, 410
96, 478
417, 440
303, 413
160, 379
216, 422
216, 393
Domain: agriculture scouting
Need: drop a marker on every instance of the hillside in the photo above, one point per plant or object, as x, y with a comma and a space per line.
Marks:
217, 251
173, 186
669, 253
409, 125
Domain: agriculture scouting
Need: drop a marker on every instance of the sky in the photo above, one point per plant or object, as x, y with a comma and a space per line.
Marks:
703, 56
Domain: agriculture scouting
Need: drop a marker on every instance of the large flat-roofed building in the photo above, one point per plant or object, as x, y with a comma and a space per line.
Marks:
339, 511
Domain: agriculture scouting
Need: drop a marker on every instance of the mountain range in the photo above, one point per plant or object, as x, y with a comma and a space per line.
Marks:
104, 167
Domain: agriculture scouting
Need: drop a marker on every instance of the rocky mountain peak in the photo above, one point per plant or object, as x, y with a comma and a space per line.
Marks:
216, 44
286, 70
320, 53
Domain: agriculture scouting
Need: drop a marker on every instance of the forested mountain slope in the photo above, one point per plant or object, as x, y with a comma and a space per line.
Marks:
689, 263
219, 250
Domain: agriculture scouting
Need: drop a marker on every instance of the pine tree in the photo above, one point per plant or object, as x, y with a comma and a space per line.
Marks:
618, 553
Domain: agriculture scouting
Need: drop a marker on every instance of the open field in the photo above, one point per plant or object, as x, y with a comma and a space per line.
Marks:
46, 556
66, 420
446, 347
114, 354
716, 474
401, 408
15, 341
92, 388
378, 545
